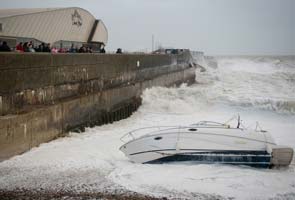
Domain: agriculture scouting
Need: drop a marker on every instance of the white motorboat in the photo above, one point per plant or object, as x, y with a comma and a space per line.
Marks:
205, 142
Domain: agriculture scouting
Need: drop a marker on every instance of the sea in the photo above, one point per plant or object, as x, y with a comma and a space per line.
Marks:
260, 89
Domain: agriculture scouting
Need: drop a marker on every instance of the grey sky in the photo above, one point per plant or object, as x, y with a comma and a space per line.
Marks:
212, 26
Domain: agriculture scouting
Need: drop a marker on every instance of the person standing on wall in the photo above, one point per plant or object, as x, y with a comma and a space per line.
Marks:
20, 47
4, 47
102, 50
119, 50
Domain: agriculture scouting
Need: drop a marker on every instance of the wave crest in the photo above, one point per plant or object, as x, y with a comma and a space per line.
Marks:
258, 83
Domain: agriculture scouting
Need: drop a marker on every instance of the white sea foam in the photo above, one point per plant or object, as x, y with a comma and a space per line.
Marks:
252, 82
259, 89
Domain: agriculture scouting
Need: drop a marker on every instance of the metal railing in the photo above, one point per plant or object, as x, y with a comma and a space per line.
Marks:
145, 131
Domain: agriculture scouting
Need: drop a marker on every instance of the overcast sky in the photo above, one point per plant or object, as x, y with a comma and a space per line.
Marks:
213, 26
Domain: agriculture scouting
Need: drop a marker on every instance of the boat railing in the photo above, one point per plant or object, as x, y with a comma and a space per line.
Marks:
137, 133
211, 124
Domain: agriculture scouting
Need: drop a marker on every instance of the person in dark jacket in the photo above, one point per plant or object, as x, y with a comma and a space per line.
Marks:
47, 48
119, 50
102, 50
82, 49
26, 47
41, 47
4, 47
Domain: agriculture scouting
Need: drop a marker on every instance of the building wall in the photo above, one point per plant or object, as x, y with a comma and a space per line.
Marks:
44, 95
69, 24
100, 33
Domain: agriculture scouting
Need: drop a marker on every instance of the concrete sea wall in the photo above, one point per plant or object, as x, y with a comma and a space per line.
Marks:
43, 96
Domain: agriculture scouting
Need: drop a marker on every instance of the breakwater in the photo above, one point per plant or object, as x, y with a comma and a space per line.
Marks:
43, 96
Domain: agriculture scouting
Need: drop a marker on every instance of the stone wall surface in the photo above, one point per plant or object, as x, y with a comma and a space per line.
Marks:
43, 96
38, 79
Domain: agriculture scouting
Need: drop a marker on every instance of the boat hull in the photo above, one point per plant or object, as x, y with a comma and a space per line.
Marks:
203, 146
260, 159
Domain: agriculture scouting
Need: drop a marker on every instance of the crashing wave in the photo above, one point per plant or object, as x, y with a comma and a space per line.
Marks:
280, 106
258, 83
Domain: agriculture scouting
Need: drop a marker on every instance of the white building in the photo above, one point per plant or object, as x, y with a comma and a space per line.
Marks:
60, 27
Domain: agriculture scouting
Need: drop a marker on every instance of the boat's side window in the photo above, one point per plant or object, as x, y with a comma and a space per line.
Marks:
158, 138
192, 129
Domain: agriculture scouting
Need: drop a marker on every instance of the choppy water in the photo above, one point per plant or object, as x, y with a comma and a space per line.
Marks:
258, 88
267, 83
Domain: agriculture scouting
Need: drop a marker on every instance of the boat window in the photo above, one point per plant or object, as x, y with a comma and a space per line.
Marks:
158, 138
192, 129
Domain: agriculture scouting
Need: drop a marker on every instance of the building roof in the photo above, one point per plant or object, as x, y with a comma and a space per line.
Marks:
51, 25
23, 11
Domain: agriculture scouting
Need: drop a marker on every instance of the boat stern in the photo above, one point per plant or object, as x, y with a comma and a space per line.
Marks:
281, 156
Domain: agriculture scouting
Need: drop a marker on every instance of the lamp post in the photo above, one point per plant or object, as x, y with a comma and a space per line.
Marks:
153, 42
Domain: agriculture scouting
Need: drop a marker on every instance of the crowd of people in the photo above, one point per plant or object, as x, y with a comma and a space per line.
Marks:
46, 47
29, 47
